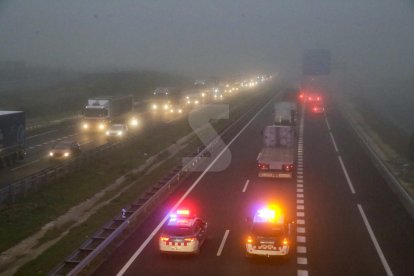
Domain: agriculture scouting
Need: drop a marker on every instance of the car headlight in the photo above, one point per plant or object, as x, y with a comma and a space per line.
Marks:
180, 111
154, 107
107, 133
166, 106
85, 126
196, 102
134, 122
101, 126
50, 153
66, 154
120, 133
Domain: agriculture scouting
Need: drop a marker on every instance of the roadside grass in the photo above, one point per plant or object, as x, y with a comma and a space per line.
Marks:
55, 199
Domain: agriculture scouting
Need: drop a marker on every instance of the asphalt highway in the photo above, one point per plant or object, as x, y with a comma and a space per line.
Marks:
347, 219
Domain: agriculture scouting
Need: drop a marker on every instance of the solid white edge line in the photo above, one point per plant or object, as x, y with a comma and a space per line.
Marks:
375, 242
223, 241
195, 183
245, 185
348, 179
25, 165
40, 134
333, 142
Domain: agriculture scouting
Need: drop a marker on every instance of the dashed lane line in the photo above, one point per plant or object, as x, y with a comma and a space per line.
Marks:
375, 242
223, 242
348, 179
245, 185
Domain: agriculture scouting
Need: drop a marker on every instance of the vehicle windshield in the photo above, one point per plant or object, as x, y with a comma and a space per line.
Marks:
267, 230
117, 127
179, 231
95, 112
63, 146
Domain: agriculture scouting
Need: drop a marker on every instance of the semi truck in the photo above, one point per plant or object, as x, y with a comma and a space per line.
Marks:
276, 159
100, 112
12, 137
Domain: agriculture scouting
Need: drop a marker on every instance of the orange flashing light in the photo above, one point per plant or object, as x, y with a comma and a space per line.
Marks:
183, 212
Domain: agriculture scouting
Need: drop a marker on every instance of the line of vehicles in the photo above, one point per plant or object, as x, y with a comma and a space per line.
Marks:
115, 116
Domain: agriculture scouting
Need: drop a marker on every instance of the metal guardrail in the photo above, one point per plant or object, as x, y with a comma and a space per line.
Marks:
75, 263
388, 174
42, 124
91, 248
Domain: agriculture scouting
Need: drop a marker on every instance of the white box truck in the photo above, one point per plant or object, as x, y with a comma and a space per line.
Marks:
276, 159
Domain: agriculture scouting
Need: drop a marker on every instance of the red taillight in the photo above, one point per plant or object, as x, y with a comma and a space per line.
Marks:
315, 109
285, 241
318, 98
263, 166
287, 167
163, 238
310, 99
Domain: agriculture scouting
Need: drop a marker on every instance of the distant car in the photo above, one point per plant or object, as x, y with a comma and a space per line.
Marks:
64, 150
312, 98
183, 233
318, 109
117, 131
269, 234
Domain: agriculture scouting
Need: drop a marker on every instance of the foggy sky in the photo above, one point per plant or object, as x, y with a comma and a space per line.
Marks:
208, 37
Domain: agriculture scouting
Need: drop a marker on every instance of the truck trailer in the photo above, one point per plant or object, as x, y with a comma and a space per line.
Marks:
276, 159
100, 112
12, 137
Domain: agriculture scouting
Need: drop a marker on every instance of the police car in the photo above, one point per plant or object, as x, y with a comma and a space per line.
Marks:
183, 233
269, 233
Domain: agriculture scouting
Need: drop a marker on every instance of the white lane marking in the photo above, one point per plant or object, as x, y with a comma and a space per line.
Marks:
301, 230
223, 241
299, 172
301, 239
299, 176
299, 185
245, 185
40, 134
348, 179
25, 165
300, 201
302, 260
301, 249
300, 221
300, 207
333, 142
300, 214
299, 195
375, 242
302, 273
299, 190
195, 183
327, 123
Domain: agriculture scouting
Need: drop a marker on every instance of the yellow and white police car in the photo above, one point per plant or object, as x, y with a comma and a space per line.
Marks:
183, 233
269, 233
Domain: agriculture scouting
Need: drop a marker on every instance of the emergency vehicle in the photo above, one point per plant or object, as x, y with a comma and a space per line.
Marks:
269, 233
183, 233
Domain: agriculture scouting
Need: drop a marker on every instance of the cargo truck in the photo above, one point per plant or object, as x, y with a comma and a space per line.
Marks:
285, 113
100, 112
276, 159
12, 137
